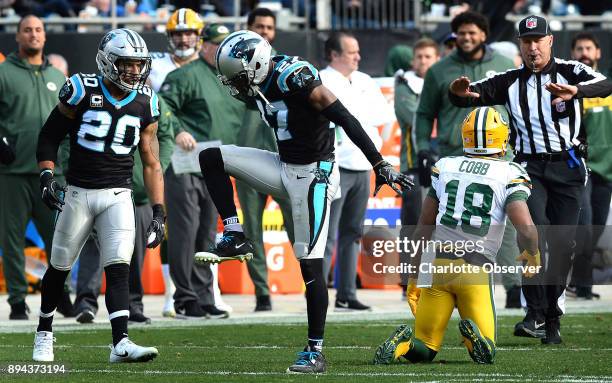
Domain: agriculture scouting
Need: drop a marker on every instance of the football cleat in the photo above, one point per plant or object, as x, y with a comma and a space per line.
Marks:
308, 362
481, 351
127, 351
232, 246
43, 346
395, 346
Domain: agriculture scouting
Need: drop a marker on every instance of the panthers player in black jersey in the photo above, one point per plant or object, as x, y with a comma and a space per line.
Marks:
106, 116
298, 107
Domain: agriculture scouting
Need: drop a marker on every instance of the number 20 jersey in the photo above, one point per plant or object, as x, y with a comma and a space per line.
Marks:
103, 141
472, 194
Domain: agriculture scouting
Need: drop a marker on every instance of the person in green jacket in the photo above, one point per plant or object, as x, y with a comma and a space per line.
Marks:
29, 87
398, 57
472, 58
256, 134
596, 122
203, 110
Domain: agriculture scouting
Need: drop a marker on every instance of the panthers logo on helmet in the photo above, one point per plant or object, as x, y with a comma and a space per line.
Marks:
244, 48
108, 37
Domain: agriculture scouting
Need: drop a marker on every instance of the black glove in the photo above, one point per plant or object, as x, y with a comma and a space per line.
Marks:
7, 154
387, 175
155, 232
52, 192
426, 160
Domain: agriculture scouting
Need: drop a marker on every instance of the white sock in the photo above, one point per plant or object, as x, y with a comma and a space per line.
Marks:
168, 284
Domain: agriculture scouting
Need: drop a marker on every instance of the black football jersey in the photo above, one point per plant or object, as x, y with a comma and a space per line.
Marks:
102, 144
303, 134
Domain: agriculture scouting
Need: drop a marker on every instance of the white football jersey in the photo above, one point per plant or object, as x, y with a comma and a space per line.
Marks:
472, 194
161, 65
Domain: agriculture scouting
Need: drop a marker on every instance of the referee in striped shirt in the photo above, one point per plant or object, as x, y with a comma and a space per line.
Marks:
542, 99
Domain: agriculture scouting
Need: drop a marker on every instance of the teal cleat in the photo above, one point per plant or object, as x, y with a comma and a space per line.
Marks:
308, 362
481, 349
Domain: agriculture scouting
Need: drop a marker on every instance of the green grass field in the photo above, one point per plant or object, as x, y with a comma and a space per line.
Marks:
261, 353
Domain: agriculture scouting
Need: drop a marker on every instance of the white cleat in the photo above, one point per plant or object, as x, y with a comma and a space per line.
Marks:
168, 310
43, 346
127, 351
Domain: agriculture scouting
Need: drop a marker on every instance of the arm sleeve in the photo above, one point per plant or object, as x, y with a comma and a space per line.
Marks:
165, 135
591, 83
405, 104
492, 90
427, 111
518, 184
339, 115
173, 93
51, 135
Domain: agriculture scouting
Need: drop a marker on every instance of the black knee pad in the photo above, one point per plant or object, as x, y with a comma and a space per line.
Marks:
211, 159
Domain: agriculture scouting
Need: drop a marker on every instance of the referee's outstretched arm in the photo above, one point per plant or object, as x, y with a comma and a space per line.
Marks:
582, 81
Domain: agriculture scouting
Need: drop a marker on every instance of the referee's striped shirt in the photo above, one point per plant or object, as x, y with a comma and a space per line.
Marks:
537, 126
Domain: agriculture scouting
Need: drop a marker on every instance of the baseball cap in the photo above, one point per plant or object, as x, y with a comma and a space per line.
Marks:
533, 26
215, 33
450, 37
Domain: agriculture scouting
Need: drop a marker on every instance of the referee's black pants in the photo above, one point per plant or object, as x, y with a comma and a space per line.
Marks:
555, 207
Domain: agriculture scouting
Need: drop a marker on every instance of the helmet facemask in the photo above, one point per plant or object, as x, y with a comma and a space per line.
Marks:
117, 70
241, 85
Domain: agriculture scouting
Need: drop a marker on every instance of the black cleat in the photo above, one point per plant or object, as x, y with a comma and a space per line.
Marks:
308, 362
214, 313
19, 311
350, 305
553, 332
232, 246
85, 316
190, 310
530, 328
263, 303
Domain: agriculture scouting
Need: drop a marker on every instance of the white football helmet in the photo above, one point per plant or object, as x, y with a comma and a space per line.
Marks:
243, 62
118, 48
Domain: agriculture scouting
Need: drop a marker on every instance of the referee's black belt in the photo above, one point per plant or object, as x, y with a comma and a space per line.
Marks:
555, 156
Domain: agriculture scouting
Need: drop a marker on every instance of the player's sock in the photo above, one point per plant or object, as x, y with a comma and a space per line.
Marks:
117, 299
316, 300
52, 290
218, 182
232, 224
419, 352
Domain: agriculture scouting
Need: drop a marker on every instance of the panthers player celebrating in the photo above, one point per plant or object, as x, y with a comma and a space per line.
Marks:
184, 30
106, 116
469, 200
292, 101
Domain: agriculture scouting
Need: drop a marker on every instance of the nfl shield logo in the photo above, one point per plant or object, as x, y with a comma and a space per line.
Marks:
531, 23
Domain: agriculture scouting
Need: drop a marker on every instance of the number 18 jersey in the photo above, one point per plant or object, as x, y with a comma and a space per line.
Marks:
107, 132
473, 193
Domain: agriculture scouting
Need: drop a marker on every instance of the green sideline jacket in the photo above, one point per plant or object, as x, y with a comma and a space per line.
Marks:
165, 136
28, 94
597, 120
201, 104
434, 102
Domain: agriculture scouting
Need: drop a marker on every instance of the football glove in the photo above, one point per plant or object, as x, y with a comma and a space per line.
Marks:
387, 175
7, 154
425, 160
52, 192
155, 232
412, 294
531, 260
